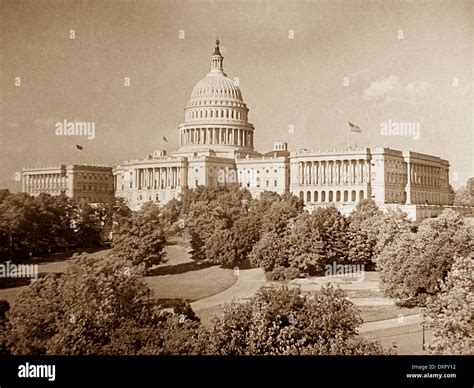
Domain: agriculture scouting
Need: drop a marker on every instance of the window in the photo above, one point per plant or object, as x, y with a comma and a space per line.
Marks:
275, 183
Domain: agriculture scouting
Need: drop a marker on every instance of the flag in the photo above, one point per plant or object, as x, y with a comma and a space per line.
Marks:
354, 128
79, 147
165, 139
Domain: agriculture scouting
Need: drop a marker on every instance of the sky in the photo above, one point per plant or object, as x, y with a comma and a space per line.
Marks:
305, 69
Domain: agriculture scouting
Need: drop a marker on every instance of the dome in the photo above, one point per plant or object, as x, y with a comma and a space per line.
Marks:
216, 117
216, 85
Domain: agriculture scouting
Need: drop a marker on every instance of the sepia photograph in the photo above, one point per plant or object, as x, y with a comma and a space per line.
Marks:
209, 181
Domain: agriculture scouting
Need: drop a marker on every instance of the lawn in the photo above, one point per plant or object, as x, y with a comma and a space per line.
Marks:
192, 285
56, 263
407, 339
182, 278
178, 278
380, 313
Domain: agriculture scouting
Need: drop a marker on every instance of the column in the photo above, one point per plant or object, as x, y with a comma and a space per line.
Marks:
300, 173
353, 167
409, 182
318, 173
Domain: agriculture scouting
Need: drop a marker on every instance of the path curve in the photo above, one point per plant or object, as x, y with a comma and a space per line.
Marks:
247, 284
390, 323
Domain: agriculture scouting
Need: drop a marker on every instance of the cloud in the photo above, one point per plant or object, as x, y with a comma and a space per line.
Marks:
390, 89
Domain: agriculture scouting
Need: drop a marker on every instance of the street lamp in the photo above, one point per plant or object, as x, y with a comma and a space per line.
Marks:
423, 327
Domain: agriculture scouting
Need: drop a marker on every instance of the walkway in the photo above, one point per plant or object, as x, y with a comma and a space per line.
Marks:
247, 284
404, 320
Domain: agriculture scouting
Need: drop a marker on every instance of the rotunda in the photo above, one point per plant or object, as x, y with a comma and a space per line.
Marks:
216, 117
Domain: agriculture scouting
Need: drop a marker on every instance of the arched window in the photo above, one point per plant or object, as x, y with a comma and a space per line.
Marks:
361, 195
346, 195
308, 196
353, 196
330, 196
323, 196
301, 195
338, 196
316, 196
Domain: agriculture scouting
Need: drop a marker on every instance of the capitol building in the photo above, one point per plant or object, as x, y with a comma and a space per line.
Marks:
216, 147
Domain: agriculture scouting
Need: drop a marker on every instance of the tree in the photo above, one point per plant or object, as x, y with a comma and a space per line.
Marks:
283, 321
4, 193
97, 306
363, 231
270, 251
463, 197
415, 262
88, 224
4, 307
451, 310
391, 225
280, 214
44, 224
332, 229
221, 228
306, 246
139, 240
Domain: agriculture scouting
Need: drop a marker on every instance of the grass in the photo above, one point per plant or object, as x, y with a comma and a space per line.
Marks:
407, 339
380, 313
192, 285
182, 278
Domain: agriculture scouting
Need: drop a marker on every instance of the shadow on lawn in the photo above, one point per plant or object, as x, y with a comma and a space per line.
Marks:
179, 268
61, 256
13, 282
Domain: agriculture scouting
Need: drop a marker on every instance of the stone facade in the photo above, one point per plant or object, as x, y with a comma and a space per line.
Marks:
93, 184
216, 147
